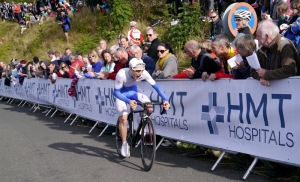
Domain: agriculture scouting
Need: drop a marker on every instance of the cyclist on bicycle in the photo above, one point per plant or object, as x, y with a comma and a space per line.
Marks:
126, 91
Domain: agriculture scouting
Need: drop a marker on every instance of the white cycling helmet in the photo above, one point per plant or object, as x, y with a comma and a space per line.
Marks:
243, 14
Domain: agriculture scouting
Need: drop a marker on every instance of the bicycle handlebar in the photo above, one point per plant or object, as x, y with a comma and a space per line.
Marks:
143, 104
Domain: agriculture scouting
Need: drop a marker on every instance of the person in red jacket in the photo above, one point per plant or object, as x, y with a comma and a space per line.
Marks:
65, 71
123, 62
75, 62
17, 12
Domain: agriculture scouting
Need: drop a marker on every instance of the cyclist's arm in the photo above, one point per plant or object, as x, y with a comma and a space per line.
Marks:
118, 85
150, 80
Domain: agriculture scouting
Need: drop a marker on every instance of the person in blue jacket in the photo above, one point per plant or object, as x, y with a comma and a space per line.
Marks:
65, 23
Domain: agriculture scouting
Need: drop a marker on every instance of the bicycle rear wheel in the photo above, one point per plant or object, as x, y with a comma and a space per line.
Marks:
119, 141
148, 144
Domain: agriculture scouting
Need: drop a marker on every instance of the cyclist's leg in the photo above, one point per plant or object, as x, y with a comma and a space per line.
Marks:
123, 115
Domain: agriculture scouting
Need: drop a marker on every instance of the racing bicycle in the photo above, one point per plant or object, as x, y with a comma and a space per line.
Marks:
144, 135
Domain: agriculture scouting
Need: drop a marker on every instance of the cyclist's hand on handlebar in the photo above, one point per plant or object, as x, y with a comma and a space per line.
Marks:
133, 104
166, 105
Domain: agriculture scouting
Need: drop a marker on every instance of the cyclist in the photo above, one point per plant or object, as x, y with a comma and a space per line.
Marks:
126, 92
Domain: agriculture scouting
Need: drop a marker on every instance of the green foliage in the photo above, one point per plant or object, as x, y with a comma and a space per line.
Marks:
189, 27
149, 10
121, 14
86, 43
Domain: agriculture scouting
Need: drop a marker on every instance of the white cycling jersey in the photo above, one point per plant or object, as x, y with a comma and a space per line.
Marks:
126, 89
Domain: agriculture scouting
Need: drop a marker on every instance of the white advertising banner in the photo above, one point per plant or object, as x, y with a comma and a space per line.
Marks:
236, 115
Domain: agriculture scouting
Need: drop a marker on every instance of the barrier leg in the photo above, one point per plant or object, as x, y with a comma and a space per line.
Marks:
8, 101
250, 168
50, 109
11, 101
174, 144
267, 164
103, 130
68, 117
159, 143
218, 161
94, 126
35, 109
54, 113
20, 103
74, 120
24, 104
31, 107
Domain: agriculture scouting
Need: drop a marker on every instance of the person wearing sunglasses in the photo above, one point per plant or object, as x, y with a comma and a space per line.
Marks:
152, 37
242, 18
95, 61
126, 92
167, 64
216, 25
65, 71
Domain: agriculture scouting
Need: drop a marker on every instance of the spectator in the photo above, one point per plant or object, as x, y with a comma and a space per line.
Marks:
112, 50
95, 61
103, 44
22, 71
135, 36
221, 47
106, 6
123, 62
167, 65
282, 10
51, 55
99, 53
44, 70
202, 64
74, 61
152, 38
292, 29
65, 57
137, 52
53, 69
57, 60
273, 11
216, 25
65, 71
124, 43
65, 22
108, 65
2, 69
278, 57
30, 70
245, 46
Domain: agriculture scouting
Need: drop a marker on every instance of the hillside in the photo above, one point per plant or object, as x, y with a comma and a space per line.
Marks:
88, 28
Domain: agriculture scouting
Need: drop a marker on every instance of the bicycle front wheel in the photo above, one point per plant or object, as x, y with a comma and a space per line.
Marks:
148, 144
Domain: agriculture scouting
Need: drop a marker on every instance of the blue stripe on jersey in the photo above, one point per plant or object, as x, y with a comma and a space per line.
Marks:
160, 92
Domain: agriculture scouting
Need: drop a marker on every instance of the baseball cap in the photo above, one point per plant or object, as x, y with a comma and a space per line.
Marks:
133, 23
134, 62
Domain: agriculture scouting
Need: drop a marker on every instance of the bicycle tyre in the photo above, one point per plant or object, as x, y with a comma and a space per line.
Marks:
119, 141
148, 144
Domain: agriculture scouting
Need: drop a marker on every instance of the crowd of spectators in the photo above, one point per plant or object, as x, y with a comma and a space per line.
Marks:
278, 56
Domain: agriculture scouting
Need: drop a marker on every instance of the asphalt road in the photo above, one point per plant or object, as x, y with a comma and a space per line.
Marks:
38, 148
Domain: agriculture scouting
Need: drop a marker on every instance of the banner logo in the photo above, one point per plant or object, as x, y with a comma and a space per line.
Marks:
216, 111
